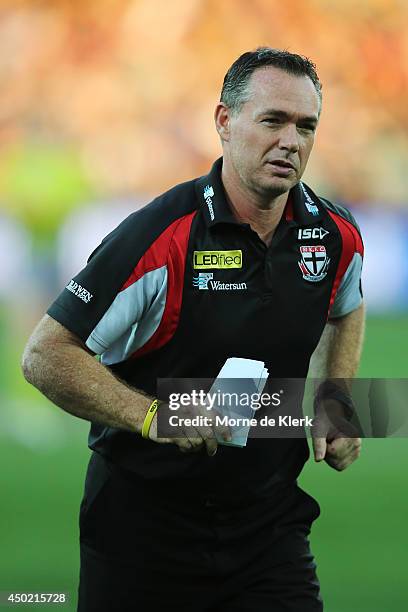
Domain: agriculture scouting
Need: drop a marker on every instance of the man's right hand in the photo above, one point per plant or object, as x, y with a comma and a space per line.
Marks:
193, 439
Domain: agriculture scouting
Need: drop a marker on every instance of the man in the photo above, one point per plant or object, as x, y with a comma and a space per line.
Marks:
219, 528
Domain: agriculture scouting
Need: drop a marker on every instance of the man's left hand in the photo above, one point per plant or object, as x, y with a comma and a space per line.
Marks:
335, 440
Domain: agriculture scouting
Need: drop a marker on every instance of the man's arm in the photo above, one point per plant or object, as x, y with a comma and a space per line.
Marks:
337, 357
59, 364
339, 350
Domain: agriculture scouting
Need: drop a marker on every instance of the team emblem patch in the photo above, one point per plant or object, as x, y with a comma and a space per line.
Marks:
314, 262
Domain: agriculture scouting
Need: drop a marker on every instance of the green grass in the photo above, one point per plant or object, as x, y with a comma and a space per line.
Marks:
385, 353
41, 492
360, 540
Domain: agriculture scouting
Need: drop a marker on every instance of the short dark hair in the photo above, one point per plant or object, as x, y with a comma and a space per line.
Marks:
234, 89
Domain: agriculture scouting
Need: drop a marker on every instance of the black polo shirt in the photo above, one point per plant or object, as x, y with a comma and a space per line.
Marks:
181, 285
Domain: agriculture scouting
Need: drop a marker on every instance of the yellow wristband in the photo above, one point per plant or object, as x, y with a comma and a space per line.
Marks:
149, 418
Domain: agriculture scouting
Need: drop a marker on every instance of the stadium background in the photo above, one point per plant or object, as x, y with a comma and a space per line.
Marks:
106, 103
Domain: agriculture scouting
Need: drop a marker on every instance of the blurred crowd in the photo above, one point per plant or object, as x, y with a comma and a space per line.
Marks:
109, 102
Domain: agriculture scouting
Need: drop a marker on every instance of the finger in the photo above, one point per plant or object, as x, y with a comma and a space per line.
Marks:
344, 457
195, 438
223, 432
154, 434
208, 438
212, 446
342, 446
183, 444
210, 441
162, 440
319, 448
339, 464
213, 430
338, 446
197, 443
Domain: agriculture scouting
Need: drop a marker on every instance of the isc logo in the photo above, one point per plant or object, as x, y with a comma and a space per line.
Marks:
311, 232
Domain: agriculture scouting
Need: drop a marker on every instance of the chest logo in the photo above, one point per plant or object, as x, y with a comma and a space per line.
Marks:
311, 232
309, 203
79, 291
217, 260
314, 263
204, 281
208, 196
201, 281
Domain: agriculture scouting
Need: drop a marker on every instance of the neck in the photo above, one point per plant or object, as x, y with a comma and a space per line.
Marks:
262, 214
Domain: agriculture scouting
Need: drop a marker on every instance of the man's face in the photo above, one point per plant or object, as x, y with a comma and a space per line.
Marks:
269, 140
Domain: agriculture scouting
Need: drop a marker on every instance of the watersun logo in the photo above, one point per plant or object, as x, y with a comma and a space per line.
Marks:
204, 281
201, 281
208, 195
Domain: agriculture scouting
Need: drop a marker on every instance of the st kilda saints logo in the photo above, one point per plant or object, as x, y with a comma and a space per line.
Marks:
314, 262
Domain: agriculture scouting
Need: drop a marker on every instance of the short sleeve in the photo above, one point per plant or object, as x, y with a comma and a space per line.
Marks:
116, 302
349, 295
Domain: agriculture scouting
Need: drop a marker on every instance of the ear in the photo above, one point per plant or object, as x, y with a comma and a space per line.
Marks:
222, 121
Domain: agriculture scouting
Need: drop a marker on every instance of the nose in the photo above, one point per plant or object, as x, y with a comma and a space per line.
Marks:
288, 138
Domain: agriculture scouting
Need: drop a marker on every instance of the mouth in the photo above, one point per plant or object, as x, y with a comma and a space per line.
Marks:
281, 167
282, 163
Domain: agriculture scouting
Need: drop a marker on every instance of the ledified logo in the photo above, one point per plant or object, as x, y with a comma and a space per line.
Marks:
217, 260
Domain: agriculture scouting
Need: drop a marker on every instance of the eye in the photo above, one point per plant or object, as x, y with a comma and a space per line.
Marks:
308, 129
271, 121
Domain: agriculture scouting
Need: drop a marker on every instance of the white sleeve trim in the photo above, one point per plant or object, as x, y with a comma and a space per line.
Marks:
348, 296
131, 319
